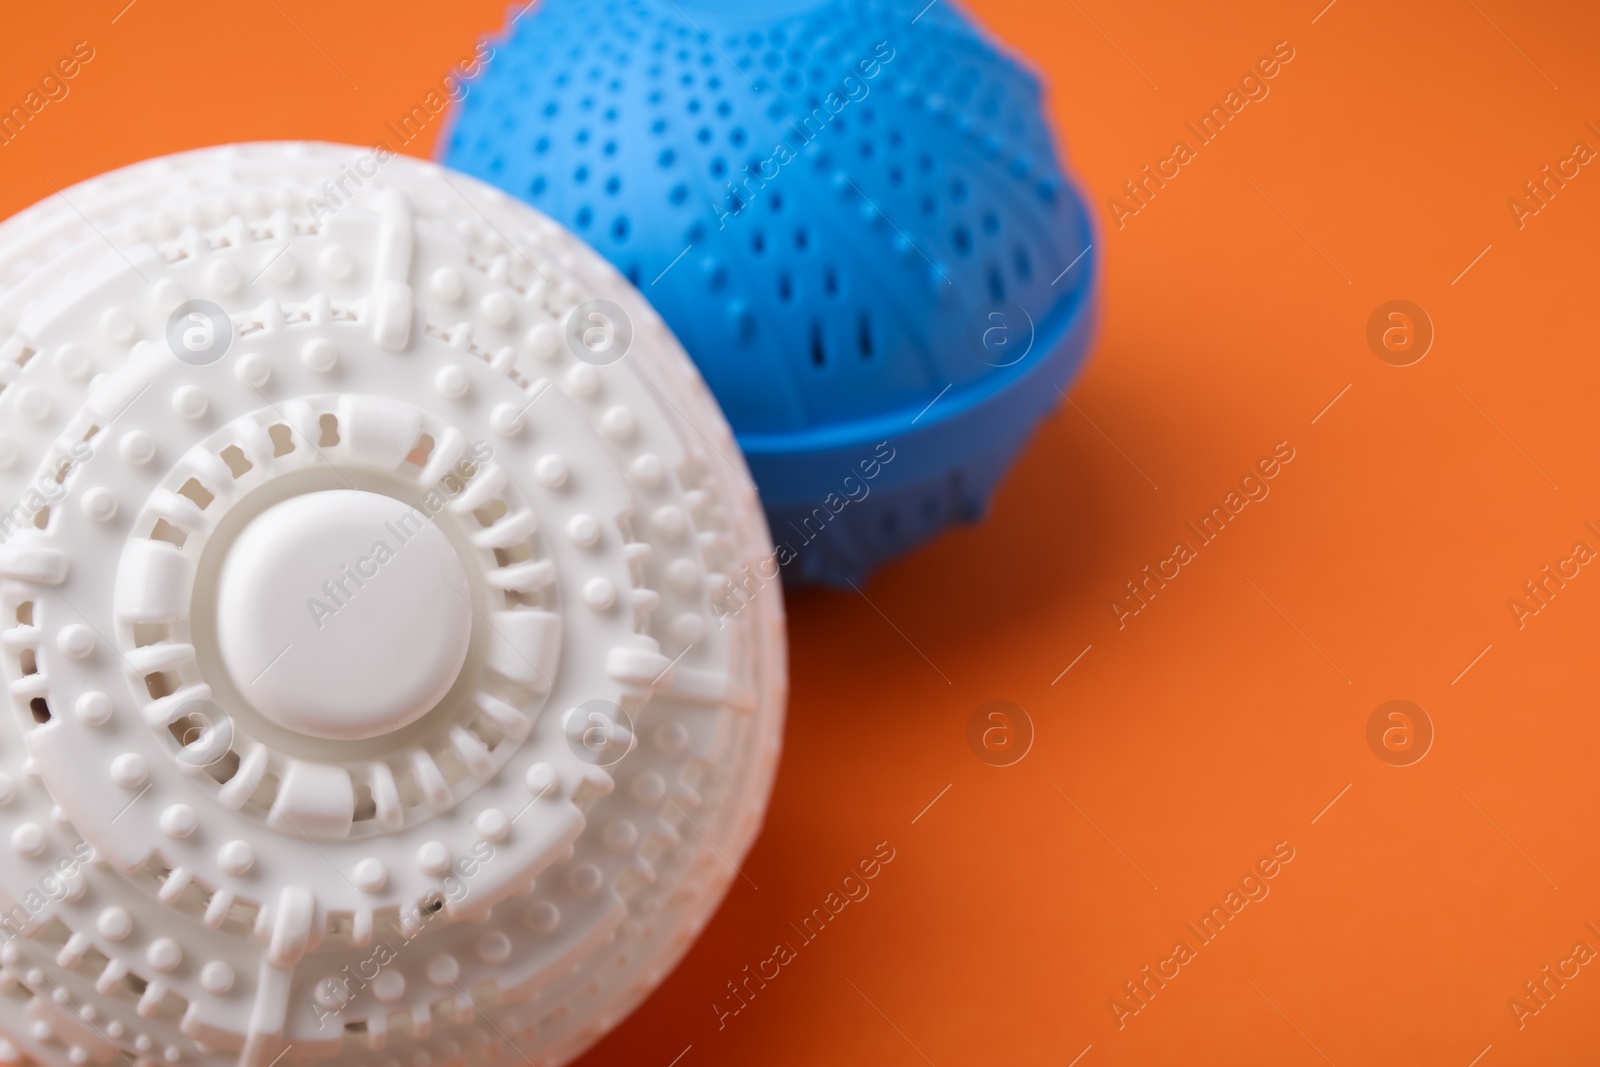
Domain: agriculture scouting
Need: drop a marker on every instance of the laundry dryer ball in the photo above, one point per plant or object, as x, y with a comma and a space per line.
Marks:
367, 702
854, 215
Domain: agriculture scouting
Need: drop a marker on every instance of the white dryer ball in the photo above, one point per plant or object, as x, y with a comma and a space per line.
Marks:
308, 510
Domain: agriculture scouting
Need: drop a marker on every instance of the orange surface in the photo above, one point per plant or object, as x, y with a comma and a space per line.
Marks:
1228, 714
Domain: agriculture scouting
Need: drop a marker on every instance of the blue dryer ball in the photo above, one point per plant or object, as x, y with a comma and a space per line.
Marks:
851, 212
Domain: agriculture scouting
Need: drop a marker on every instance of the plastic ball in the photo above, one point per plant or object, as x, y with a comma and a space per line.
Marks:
363, 711
854, 216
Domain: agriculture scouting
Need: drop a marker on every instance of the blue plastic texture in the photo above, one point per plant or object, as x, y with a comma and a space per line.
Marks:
851, 212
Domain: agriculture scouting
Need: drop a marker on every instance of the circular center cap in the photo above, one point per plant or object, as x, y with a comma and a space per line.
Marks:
343, 614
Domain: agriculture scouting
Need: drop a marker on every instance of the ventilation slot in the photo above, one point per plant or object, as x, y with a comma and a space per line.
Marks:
424, 448
329, 424
819, 355
233, 456
282, 439
196, 492
165, 531
997, 285
160, 684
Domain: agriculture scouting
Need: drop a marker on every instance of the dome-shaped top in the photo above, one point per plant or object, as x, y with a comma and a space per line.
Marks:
363, 670
827, 200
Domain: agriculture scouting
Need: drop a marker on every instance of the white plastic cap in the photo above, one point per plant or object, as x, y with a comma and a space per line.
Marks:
368, 703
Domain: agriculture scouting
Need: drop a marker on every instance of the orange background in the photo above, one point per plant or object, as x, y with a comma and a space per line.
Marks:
1229, 713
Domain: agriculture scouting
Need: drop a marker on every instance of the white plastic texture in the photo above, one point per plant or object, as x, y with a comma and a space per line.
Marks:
371, 697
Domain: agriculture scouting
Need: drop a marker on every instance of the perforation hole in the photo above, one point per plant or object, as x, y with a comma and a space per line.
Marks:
40, 709
160, 684
864, 335
997, 285
223, 770
165, 531
819, 355
418, 456
329, 425
282, 439
233, 456
366, 807
196, 492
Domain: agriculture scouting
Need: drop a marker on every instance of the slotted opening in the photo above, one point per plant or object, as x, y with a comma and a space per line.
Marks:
29, 661
819, 355
53, 934
329, 424
1024, 264
196, 492
223, 770
490, 513
40, 709
282, 439
149, 633
785, 287
366, 807
241, 918
961, 238
41, 518
419, 454
830, 281
516, 553
233, 456
997, 285
160, 684
864, 335
25, 355
165, 531
25, 613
